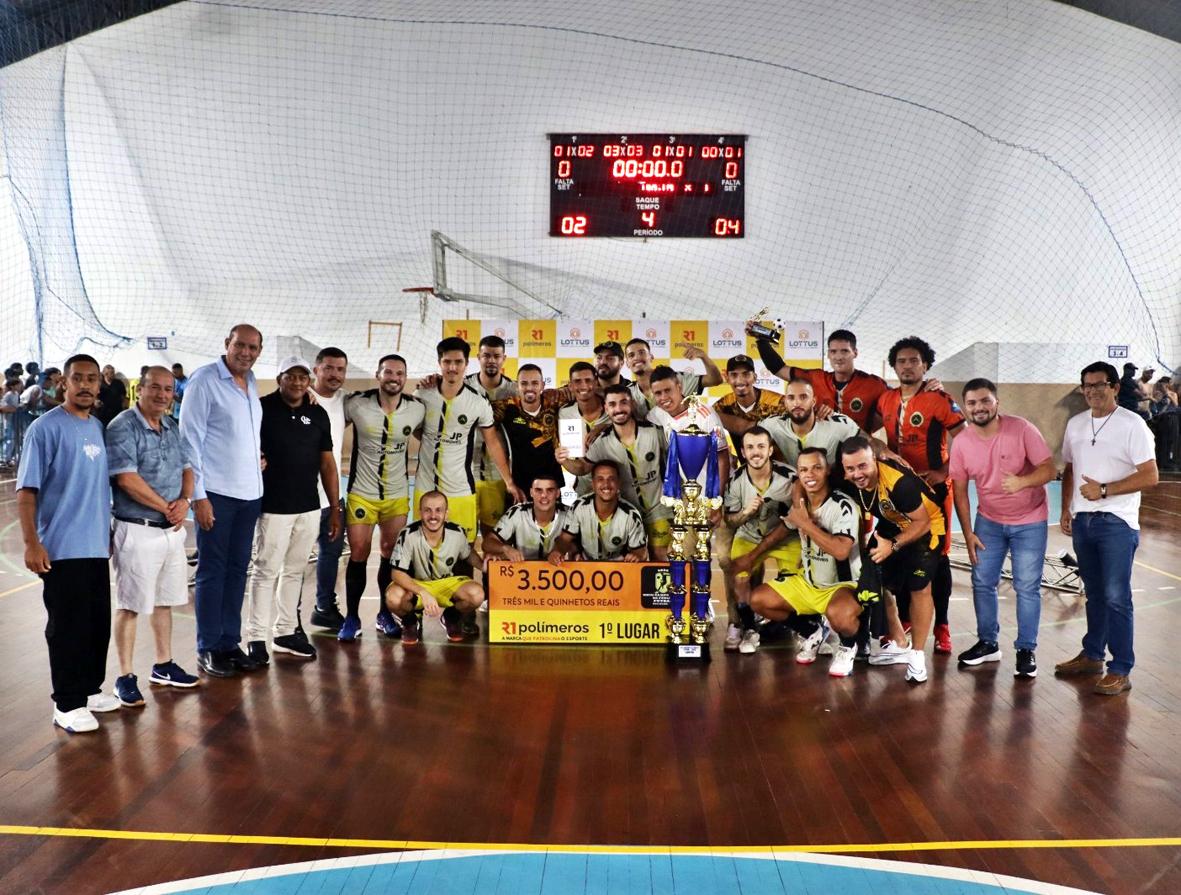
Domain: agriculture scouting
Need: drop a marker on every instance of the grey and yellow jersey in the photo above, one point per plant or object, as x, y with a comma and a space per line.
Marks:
519, 528
486, 470
449, 430
776, 501
838, 515
414, 554
826, 435
377, 468
641, 464
610, 539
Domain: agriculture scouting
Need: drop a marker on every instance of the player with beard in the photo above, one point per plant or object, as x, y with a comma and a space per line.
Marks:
588, 407
530, 530
384, 419
640, 450
639, 360
800, 427
491, 382
918, 417
747, 404
759, 494
608, 364
529, 424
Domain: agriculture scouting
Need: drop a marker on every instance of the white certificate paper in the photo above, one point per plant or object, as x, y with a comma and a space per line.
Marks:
571, 436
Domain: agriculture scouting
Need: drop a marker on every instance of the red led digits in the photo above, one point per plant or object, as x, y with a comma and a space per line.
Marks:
649, 218
731, 170
626, 169
564, 168
573, 225
727, 226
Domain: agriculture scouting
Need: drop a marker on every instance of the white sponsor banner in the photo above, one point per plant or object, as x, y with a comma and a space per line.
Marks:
576, 338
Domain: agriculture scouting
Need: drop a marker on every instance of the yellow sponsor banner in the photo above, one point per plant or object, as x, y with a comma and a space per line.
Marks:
613, 331
574, 626
688, 332
468, 330
537, 338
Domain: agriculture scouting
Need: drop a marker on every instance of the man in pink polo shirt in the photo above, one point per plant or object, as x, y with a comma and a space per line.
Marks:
1010, 463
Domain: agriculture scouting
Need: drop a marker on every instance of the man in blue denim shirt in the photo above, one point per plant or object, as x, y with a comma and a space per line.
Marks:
222, 418
152, 468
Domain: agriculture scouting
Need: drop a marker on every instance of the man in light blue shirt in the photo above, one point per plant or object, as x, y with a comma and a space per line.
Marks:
221, 418
64, 501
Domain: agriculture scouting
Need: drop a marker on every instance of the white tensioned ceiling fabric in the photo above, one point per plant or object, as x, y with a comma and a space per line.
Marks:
964, 171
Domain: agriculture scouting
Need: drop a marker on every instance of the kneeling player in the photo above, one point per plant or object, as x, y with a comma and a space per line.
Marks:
430, 557
601, 526
829, 525
530, 530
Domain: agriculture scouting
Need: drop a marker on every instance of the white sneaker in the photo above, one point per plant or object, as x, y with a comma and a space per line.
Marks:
831, 644
750, 643
889, 653
916, 666
842, 661
806, 654
103, 702
75, 721
733, 638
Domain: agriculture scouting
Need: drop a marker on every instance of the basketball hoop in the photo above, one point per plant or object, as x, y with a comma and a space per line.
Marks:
424, 292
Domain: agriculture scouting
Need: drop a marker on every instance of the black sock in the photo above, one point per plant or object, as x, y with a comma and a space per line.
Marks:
354, 586
848, 641
941, 590
863, 629
385, 574
804, 625
747, 616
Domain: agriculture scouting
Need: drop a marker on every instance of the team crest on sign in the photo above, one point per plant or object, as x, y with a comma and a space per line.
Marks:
916, 419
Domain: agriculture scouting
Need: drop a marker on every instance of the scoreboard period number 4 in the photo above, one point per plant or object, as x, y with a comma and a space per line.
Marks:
647, 185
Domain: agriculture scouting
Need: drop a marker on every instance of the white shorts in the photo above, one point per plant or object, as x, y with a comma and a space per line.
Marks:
150, 567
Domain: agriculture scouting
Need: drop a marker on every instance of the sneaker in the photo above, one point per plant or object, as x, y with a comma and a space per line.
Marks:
750, 643
103, 702
169, 674
350, 630
916, 666
328, 617
811, 644
257, 651
1026, 664
842, 661
75, 721
983, 651
889, 653
1113, 684
410, 629
388, 625
943, 639
127, 691
468, 626
733, 638
452, 624
294, 645
1080, 664
831, 644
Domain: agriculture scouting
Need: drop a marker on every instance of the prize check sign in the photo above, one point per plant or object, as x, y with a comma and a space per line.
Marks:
577, 602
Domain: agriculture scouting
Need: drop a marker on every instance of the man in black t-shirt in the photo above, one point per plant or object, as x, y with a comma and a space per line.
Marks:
529, 423
296, 443
111, 395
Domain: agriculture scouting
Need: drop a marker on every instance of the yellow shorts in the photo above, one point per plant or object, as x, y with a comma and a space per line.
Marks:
805, 598
660, 532
462, 512
786, 555
442, 590
492, 501
363, 511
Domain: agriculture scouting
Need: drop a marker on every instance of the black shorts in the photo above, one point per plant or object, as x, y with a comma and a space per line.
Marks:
913, 567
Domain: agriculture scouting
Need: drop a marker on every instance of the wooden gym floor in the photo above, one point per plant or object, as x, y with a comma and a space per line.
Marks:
512, 747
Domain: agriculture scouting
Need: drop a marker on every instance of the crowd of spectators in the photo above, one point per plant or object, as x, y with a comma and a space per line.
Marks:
1157, 403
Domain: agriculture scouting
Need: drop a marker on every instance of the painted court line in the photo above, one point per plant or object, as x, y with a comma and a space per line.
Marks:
331, 842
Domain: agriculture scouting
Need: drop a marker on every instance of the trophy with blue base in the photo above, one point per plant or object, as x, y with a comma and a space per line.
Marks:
689, 452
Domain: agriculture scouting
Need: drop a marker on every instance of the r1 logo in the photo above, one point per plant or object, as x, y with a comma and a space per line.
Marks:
462, 333
509, 628
613, 335
537, 334
689, 335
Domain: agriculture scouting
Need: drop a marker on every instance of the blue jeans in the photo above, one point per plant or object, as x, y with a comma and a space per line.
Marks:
1105, 546
1027, 545
328, 561
223, 560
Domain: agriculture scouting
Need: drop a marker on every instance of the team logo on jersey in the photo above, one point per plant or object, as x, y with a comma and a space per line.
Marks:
405, 430
887, 505
462, 420
617, 541
359, 513
450, 560
916, 419
305, 420
650, 456
856, 404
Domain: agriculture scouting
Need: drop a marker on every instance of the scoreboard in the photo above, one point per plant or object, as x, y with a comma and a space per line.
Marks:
647, 185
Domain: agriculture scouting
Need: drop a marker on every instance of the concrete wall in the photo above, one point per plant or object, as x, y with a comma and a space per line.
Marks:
1047, 405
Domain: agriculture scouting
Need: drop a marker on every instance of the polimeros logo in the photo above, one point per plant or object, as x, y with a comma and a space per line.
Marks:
574, 339
916, 419
803, 339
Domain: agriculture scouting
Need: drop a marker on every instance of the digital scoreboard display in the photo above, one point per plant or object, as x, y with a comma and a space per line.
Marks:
647, 185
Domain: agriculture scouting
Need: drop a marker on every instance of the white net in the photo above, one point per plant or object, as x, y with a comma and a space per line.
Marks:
968, 172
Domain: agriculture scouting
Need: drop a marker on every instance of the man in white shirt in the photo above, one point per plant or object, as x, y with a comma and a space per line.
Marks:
1110, 459
332, 366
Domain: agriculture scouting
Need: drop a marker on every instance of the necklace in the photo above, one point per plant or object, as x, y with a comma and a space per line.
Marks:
868, 510
1095, 434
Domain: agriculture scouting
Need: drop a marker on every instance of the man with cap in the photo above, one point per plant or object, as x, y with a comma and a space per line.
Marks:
747, 405
297, 446
608, 363
1129, 389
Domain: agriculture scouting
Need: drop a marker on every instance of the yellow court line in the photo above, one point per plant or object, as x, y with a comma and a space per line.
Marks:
413, 845
1145, 565
24, 586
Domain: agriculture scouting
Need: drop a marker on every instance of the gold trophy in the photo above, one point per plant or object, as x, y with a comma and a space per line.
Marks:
763, 327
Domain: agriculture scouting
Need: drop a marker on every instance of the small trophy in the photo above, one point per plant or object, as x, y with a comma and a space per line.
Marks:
688, 453
762, 327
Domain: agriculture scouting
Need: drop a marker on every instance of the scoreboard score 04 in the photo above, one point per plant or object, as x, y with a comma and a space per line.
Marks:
647, 185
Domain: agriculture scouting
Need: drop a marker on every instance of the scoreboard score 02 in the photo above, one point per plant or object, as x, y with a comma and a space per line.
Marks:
647, 185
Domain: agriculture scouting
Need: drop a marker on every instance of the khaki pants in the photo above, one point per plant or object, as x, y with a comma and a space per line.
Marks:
283, 542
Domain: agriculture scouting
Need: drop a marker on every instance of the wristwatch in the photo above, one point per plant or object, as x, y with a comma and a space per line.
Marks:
1103, 492
894, 545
